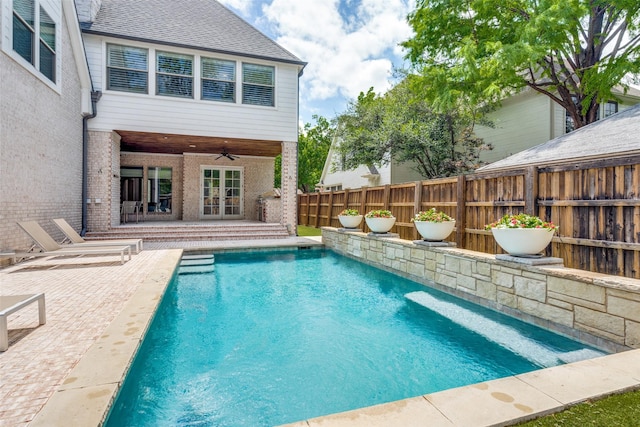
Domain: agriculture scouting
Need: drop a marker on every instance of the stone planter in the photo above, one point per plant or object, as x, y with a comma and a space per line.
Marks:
350, 221
434, 231
380, 225
522, 241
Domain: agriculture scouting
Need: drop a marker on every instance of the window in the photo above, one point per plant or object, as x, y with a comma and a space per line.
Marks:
43, 54
258, 85
24, 28
611, 107
159, 189
127, 69
218, 80
174, 75
47, 46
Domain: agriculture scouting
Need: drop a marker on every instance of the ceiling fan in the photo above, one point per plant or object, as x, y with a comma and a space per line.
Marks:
226, 154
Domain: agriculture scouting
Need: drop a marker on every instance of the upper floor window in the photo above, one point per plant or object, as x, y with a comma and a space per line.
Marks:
41, 55
608, 108
258, 85
47, 46
611, 107
174, 74
127, 69
218, 80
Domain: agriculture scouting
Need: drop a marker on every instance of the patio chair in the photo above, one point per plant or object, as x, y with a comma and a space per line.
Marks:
51, 248
74, 238
130, 208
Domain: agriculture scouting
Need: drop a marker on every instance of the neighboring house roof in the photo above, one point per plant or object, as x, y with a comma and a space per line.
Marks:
613, 136
195, 24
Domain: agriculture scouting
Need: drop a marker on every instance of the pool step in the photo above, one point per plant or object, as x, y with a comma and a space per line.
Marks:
197, 264
196, 269
201, 256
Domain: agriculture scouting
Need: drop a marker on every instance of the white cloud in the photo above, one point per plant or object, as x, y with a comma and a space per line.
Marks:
350, 47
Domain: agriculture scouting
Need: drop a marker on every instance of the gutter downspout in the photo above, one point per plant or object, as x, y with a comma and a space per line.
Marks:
95, 96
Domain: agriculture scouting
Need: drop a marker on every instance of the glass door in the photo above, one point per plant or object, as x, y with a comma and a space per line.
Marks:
221, 193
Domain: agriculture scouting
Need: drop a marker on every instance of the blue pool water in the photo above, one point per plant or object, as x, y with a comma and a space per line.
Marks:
272, 338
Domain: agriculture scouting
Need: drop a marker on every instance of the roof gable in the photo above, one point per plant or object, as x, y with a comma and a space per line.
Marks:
613, 136
196, 24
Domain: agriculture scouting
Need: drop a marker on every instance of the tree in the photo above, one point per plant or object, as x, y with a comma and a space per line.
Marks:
314, 142
400, 126
573, 51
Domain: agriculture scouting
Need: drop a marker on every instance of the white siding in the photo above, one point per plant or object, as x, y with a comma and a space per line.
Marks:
523, 121
404, 172
151, 113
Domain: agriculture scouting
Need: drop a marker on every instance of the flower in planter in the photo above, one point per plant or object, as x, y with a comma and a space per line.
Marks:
349, 212
521, 221
432, 215
379, 214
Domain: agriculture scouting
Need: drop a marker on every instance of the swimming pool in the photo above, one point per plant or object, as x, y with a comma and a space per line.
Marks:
271, 338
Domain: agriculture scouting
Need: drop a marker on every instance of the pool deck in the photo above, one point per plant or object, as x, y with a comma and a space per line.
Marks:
65, 372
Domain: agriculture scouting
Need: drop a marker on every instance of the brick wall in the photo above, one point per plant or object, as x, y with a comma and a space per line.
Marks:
100, 177
595, 308
40, 148
290, 185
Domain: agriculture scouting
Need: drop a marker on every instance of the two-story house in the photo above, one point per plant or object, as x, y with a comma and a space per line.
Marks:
179, 105
195, 106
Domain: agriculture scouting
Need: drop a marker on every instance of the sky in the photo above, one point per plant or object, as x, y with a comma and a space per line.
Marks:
349, 45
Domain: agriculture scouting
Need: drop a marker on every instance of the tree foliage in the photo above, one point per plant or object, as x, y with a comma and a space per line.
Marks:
402, 127
314, 141
573, 51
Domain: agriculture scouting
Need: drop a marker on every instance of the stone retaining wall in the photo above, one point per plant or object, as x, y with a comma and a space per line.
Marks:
594, 308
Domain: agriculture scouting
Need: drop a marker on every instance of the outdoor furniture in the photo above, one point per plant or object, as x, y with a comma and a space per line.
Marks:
10, 304
75, 238
130, 208
51, 248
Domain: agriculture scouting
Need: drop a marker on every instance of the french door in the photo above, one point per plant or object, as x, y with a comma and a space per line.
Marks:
221, 193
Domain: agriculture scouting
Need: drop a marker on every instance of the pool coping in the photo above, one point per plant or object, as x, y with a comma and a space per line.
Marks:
87, 393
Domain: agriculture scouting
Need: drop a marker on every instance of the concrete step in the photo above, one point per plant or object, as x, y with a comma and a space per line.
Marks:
196, 232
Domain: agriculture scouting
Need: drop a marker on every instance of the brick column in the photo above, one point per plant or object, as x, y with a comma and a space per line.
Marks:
103, 173
289, 185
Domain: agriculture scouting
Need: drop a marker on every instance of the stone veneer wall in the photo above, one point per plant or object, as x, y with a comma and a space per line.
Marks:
594, 308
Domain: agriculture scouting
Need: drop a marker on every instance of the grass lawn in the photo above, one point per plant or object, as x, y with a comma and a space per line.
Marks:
621, 410
304, 230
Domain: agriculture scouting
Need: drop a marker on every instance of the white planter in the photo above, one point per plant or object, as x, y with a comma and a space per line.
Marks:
380, 225
434, 231
350, 221
522, 241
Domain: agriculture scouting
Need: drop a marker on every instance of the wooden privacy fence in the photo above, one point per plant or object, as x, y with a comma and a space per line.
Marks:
595, 204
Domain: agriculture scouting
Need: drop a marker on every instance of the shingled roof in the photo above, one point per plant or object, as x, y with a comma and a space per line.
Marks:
196, 24
614, 136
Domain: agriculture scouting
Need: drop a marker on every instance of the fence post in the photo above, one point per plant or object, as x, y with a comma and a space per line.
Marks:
387, 194
308, 197
461, 211
417, 204
317, 221
345, 205
363, 200
531, 190
329, 209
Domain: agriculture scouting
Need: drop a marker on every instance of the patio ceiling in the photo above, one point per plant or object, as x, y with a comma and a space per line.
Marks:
149, 142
